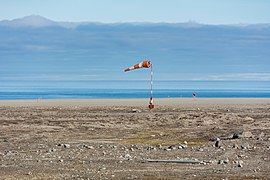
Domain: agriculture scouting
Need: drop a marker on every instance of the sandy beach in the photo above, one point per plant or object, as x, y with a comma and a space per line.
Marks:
181, 102
181, 138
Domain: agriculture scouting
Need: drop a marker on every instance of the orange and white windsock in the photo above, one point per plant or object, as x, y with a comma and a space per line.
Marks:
144, 64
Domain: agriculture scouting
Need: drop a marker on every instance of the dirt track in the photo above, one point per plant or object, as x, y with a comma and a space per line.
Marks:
116, 142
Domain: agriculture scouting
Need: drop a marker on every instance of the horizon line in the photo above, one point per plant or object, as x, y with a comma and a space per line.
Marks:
134, 22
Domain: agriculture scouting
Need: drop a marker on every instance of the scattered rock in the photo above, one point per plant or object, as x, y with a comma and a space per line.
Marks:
236, 135
136, 111
220, 161
245, 146
240, 164
52, 150
217, 143
66, 145
172, 147
151, 148
128, 156
102, 169
235, 146
88, 147
226, 161
182, 146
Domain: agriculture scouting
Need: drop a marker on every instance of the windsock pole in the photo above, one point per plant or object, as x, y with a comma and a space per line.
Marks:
151, 103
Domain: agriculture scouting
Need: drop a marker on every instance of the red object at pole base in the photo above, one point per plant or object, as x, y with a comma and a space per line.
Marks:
151, 106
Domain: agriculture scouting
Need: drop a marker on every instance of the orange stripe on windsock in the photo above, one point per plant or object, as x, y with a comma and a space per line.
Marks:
144, 64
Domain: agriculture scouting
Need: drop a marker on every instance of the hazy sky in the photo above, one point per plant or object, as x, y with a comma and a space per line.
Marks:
203, 11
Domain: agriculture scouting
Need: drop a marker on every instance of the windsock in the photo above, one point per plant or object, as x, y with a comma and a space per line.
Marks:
144, 64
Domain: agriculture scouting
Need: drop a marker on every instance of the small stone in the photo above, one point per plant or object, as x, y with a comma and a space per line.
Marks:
149, 148
88, 147
220, 161
245, 146
203, 163
102, 169
172, 147
235, 146
236, 135
226, 161
217, 143
182, 146
240, 164
136, 111
66, 145
52, 150
128, 156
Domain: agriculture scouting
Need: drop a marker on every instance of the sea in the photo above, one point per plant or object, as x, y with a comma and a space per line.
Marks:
17, 90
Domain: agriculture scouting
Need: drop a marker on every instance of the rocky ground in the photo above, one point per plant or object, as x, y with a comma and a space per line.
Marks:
219, 142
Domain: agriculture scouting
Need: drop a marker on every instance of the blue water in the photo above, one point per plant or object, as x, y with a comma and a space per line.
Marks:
132, 89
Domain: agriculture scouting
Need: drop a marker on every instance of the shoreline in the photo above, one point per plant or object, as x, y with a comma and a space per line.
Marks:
138, 102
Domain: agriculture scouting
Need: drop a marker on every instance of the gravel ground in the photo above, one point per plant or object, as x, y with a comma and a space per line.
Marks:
123, 142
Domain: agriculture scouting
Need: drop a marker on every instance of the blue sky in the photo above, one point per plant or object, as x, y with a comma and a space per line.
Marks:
107, 11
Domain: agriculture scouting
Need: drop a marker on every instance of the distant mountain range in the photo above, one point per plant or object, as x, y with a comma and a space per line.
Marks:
36, 21
36, 48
